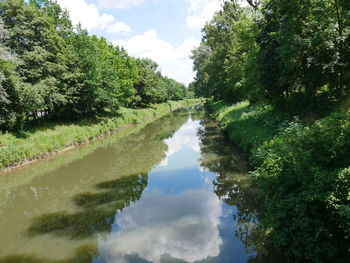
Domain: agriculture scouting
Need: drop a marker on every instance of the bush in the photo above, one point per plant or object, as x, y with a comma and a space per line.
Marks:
305, 177
303, 172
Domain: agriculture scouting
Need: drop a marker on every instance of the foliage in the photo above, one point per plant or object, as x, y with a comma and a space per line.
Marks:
304, 52
302, 171
8, 81
292, 55
290, 59
305, 179
152, 87
250, 125
224, 61
51, 137
63, 73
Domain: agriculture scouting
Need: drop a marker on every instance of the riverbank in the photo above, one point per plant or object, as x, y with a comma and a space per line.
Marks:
19, 149
248, 125
302, 170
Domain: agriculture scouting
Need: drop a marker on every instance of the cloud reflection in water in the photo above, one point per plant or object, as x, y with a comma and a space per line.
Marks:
183, 226
185, 136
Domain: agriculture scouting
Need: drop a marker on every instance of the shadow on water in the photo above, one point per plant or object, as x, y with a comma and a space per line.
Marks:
218, 154
83, 254
97, 205
234, 186
127, 188
97, 209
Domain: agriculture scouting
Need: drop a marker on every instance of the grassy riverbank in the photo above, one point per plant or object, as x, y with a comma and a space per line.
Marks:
303, 172
41, 141
248, 125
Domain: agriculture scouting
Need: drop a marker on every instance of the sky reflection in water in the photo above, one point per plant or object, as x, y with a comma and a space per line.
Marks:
178, 218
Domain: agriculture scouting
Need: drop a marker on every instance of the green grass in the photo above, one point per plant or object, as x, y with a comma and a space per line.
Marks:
249, 125
49, 138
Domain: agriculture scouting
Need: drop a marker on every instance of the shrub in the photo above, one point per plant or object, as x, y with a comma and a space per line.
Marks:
305, 177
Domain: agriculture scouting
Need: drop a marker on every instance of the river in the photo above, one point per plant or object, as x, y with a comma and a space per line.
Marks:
172, 191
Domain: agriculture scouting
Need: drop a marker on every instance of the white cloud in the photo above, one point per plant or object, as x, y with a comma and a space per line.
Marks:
119, 27
195, 21
201, 11
89, 16
120, 3
173, 60
149, 229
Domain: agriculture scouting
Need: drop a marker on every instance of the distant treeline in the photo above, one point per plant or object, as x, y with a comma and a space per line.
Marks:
50, 68
293, 55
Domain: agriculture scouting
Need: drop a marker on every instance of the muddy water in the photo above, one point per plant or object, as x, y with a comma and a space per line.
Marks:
173, 191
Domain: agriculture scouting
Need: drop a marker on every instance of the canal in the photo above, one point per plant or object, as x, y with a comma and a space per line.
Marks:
172, 191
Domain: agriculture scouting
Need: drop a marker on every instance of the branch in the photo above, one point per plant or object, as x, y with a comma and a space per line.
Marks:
254, 3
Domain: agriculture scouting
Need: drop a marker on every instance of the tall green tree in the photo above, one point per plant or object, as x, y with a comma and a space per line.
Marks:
149, 87
61, 72
41, 51
200, 57
225, 61
303, 53
174, 89
59, 16
8, 82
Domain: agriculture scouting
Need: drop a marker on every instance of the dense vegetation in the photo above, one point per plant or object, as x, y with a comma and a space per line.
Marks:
289, 62
50, 137
52, 70
290, 54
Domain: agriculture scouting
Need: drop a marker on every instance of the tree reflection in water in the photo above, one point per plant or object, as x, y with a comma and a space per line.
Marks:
97, 216
83, 254
97, 205
98, 209
234, 186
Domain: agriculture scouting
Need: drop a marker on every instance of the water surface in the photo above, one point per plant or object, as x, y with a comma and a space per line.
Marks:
173, 191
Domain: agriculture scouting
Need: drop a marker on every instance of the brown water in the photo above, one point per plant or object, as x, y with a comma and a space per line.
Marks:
173, 191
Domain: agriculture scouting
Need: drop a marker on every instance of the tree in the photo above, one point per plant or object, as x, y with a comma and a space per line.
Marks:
174, 89
59, 17
303, 53
225, 60
200, 57
8, 83
148, 88
64, 73
41, 51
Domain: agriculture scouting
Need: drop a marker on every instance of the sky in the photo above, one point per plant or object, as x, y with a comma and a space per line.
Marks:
163, 30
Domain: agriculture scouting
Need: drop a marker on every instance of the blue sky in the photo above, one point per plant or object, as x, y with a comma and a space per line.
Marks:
163, 30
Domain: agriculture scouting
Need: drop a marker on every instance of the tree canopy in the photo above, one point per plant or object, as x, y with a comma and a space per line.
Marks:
291, 54
290, 58
48, 68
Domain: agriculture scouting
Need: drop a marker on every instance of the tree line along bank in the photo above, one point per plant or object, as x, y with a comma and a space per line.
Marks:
289, 62
51, 69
